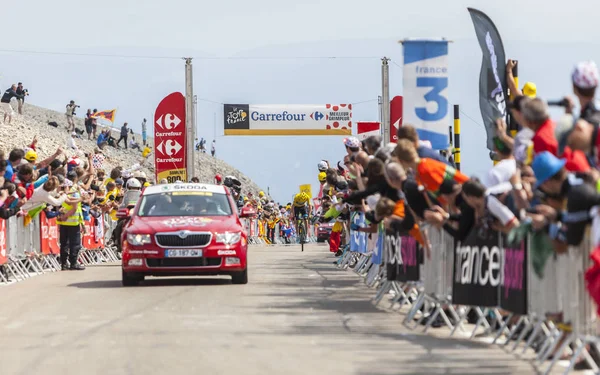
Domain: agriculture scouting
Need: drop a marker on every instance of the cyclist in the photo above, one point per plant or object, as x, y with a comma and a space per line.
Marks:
302, 207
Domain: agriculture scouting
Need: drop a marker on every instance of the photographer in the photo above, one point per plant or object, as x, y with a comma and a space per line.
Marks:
5, 102
70, 113
22, 92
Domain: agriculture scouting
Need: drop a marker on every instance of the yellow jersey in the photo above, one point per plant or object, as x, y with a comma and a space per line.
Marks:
301, 199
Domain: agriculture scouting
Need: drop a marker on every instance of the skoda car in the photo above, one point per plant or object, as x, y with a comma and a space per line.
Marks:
181, 230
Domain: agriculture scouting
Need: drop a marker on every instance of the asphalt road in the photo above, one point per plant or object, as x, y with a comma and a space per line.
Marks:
297, 315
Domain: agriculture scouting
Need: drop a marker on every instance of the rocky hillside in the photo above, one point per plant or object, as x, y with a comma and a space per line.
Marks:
34, 122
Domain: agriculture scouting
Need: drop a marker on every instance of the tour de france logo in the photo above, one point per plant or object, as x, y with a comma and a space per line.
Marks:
236, 115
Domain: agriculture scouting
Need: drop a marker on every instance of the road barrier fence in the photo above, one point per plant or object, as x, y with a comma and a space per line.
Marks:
513, 294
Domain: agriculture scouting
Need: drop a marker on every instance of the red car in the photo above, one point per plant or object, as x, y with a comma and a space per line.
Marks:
181, 230
324, 231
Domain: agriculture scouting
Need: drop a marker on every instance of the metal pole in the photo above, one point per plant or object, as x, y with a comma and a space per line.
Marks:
189, 120
457, 136
385, 98
512, 124
379, 112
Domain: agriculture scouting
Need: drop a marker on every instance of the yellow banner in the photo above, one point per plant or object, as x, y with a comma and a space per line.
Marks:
306, 188
173, 175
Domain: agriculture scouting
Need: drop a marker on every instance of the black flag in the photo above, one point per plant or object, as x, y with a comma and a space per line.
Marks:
492, 78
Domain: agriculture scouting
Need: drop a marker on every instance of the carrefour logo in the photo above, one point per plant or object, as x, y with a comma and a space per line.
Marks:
317, 116
282, 116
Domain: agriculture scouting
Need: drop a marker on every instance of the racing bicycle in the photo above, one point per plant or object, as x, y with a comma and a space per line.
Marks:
301, 224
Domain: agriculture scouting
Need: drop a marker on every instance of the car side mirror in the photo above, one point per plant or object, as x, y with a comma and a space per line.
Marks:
123, 213
247, 212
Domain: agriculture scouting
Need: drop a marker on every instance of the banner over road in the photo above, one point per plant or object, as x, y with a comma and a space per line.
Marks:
287, 119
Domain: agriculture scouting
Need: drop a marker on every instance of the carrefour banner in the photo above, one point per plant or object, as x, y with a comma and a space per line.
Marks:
275, 119
425, 85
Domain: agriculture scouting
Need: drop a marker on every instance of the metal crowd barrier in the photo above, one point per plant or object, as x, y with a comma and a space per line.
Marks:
522, 314
32, 250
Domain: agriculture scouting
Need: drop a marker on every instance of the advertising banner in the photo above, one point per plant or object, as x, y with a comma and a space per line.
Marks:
170, 138
513, 289
396, 109
425, 89
3, 249
365, 129
287, 119
358, 240
492, 77
402, 257
377, 257
477, 269
48, 235
93, 237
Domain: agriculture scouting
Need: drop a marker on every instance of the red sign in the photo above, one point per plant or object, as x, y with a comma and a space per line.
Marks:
395, 117
170, 139
3, 251
365, 129
94, 234
49, 235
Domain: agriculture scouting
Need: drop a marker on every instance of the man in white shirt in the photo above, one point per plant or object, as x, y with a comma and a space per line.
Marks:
504, 169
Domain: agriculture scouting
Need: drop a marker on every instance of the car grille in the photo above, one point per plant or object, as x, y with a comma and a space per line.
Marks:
183, 262
192, 240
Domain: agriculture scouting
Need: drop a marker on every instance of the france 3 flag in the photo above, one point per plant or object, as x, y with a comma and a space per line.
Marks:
425, 90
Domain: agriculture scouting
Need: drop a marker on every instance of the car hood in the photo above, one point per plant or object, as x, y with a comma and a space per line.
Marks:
175, 223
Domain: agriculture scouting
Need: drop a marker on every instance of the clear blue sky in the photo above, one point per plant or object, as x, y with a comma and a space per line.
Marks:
547, 38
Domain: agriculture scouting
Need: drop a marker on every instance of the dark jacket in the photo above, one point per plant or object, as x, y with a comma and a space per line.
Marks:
9, 94
21, 91
124, 131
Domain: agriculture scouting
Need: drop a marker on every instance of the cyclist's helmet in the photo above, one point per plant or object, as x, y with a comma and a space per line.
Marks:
322, 166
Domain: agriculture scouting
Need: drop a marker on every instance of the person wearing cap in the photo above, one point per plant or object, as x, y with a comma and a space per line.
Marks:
585, 79
70, 112
352, 145
70, 224
567, 189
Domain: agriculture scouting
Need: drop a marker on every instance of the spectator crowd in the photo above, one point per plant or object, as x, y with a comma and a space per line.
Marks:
544, 182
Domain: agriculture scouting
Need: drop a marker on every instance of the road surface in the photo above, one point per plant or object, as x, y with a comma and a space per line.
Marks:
298, 315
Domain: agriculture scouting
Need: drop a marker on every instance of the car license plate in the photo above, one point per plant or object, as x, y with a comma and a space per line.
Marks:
183, 253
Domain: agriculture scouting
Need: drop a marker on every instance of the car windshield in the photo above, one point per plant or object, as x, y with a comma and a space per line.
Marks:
185, 203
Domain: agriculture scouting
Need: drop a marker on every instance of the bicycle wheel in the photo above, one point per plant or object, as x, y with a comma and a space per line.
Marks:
302, 234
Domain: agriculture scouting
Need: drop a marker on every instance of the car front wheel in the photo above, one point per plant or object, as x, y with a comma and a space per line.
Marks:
131, 279
240, 277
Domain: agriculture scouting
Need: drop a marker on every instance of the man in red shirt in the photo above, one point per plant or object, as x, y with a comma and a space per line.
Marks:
537, 118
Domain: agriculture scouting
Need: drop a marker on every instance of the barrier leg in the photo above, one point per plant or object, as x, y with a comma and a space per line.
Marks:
568, 340
513, 330
384, 288
481, 321
461, 319
526, 328
536, 331
503, 327
550, 343
412, 313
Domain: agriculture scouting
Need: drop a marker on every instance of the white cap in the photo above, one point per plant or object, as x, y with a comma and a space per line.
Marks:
585, 75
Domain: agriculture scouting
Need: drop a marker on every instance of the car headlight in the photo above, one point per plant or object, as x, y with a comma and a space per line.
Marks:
138, 239
228, 238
